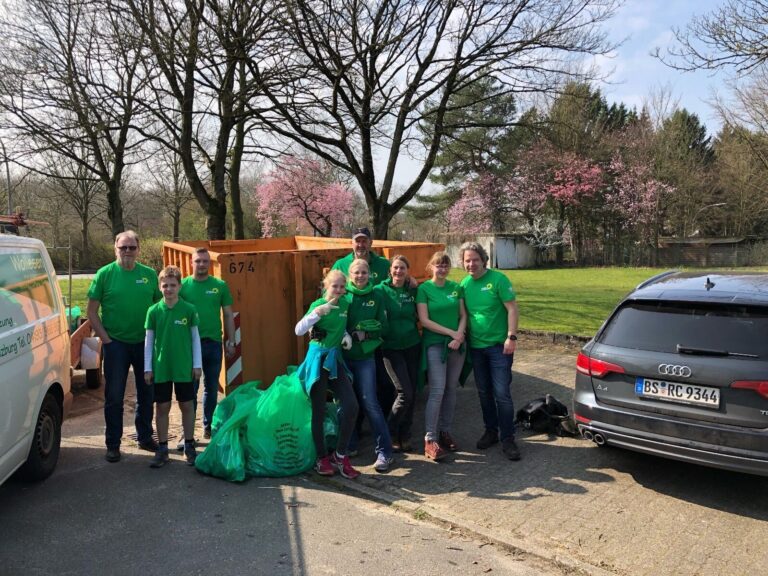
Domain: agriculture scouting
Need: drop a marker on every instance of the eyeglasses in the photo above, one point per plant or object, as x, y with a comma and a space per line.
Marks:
128, 248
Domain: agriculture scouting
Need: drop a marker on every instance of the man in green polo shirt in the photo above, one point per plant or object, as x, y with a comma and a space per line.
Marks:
492, 312
123, 291
212, 298
361, 248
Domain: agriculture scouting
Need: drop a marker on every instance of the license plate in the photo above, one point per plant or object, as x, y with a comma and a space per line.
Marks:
678, 392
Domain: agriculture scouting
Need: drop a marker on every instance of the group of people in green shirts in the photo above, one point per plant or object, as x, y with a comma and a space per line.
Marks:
169, 330
371, 309
365, 339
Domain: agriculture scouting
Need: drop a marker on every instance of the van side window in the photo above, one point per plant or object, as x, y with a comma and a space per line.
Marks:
24, 279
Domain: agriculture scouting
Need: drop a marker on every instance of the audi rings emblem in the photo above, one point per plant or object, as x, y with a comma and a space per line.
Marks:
674, 370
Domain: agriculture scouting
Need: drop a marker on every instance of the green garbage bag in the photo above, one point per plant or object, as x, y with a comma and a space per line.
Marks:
278, 436
226, 407
225, 457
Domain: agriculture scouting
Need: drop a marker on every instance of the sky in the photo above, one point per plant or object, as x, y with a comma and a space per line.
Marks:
643, 25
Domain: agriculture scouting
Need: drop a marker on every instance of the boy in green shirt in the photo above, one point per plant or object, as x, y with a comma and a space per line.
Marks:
172, 360
211, 298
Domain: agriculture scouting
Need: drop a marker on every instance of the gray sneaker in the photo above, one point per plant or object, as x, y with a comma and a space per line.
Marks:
383, 463
160, 459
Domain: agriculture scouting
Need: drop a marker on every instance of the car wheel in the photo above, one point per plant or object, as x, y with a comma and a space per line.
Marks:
93, 378
46, 443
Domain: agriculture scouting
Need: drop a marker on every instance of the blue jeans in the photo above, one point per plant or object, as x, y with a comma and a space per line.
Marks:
364, 381
118, 358
213, 354
493, 377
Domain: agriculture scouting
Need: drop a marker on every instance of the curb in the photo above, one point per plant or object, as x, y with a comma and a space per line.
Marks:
425, 513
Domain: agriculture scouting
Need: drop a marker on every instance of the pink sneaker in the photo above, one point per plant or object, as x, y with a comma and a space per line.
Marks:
344, 466
324, 466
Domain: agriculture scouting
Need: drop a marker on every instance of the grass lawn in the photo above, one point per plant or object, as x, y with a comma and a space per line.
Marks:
567, 301
79, 292
570, 300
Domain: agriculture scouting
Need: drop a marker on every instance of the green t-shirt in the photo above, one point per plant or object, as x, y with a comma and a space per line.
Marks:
378, 264
443, 306
400, 305
334, 323
172, 352
366, 306
125, 296
208, 297
484, 299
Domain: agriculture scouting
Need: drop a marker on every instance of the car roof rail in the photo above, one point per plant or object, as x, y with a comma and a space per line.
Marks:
656, 278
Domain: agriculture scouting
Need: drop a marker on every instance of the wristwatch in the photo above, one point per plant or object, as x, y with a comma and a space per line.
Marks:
229, 343
512, 337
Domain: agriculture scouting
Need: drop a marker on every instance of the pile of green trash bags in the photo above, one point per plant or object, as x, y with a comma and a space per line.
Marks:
264, 432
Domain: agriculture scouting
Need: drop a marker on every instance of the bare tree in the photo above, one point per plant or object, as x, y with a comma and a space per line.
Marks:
68, 82
71, 183
734, 36
194, 52
358, 78
169, 186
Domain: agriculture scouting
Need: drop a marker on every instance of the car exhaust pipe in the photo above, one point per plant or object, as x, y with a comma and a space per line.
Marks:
599, 439
588, 435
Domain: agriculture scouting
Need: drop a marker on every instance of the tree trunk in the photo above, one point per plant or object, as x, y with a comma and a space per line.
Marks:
115, 208
86, 255
216, 219
176, 217
234, 180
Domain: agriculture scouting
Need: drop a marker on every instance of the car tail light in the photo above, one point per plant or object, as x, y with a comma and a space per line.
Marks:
595, 367
759, 386
581, 419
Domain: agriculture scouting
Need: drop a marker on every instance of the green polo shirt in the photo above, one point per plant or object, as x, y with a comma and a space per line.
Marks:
125, 296
443, 307
208, 297
172, 352
367, 306
484, 299
378, 264
400, 306
334, 323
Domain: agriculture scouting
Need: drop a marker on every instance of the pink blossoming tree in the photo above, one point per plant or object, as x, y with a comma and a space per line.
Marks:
303, 188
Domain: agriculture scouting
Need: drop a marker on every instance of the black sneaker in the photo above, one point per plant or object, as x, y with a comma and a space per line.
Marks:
113, 455
488, 439
510, 449
150, 445
180, 445
160, 459
207, 433
190, 454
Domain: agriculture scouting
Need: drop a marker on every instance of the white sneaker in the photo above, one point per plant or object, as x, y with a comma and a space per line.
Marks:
383, 463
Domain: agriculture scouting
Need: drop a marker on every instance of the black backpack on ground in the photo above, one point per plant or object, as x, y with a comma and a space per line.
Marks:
546, 415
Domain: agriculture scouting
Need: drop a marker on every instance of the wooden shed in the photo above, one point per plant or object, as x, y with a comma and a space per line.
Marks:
273, 282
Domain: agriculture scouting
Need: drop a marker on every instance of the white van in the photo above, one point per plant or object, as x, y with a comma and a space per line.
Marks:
35, 376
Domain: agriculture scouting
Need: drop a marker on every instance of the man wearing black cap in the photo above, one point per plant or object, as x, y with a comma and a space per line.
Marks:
361, 248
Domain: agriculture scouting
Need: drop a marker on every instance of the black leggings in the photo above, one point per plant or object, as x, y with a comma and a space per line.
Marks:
403, 368
342, 390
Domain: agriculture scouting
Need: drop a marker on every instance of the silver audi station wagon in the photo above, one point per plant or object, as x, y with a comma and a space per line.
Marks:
680, 370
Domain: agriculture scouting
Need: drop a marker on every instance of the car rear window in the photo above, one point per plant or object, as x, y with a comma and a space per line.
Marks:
662, 326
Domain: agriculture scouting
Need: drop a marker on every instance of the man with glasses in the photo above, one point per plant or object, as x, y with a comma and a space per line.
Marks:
123, 291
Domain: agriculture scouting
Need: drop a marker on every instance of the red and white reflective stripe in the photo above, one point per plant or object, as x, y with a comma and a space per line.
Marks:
234, 364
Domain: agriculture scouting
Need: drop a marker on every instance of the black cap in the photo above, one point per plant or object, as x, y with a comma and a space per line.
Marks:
361, 232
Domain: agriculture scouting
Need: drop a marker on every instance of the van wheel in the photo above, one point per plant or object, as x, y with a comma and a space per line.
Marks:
93, 378
46, 443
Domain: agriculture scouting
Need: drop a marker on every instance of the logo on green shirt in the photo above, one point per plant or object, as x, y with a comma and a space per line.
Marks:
487, 287
212, 291
182, 322
369, 304
142, 280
